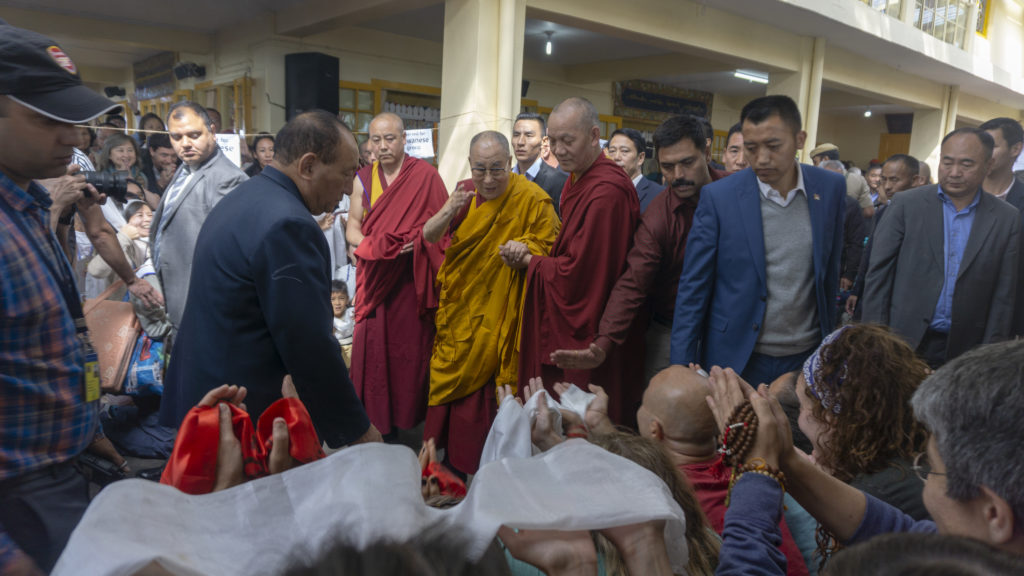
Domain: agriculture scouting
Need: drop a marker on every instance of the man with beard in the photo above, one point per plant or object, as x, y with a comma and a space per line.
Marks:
649, 285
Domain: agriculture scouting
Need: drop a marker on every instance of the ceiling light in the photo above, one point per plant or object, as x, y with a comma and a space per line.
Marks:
752, 76
547, 47
867, 113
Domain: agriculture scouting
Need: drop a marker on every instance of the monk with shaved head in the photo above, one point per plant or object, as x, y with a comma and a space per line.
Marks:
391, 201
494, 217
675, 413
567, 290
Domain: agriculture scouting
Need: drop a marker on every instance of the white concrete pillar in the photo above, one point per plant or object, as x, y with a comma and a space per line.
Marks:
972, 23
481, 76
804, 87
930, 126
907, 12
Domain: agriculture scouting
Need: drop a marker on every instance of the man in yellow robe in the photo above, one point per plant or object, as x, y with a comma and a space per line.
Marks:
487, 226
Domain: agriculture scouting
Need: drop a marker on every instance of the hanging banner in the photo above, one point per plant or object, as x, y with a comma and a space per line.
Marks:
231, 147
420, 143
655, 102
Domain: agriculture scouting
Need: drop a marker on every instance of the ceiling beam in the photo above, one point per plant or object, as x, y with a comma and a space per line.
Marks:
317, 16
642, 67
109, 32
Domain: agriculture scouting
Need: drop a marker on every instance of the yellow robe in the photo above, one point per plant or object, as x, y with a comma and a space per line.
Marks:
479, 316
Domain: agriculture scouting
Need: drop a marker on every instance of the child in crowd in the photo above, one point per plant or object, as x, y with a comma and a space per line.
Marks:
344, 318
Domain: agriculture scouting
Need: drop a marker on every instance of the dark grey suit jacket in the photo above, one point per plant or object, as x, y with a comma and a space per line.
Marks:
1016, 199
906, 271
179, 226
646, 190
552, 180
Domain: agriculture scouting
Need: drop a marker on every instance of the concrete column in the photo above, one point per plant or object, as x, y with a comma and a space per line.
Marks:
930, 126
481, 76
804, 87
972, 23
907, 12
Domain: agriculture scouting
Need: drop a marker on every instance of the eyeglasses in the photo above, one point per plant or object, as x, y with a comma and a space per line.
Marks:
496, 172
923, 468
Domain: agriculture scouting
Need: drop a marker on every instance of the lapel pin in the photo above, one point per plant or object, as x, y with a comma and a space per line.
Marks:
816, 197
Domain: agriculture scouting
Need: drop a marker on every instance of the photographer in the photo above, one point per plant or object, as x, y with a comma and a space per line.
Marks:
48, 379
71, 193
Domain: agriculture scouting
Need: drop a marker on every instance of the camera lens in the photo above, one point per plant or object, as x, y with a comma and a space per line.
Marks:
113, 184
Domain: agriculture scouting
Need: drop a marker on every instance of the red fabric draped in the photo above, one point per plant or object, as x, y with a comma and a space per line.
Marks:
192, 467
567, 291
396, 296
710, 481
416, 194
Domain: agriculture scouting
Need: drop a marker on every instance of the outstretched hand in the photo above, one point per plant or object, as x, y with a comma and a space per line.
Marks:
728, 391
506, 391
542, 431
145, 292
555, 552
774, 440
586, 359
280, 457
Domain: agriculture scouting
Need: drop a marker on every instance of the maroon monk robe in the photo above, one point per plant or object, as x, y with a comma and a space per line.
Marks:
566, 291
396, 296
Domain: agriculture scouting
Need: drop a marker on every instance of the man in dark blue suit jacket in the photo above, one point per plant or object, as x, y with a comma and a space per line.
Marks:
759, 284
627, 148
258, 303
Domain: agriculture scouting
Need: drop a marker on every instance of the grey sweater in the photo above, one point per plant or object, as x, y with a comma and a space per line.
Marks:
791, 314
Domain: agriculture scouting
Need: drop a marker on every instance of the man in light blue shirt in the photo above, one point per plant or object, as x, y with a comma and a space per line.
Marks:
944, 263
956, 228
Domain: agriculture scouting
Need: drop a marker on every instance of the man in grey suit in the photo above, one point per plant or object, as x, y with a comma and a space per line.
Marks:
1001, 182
204, 177
528, 134
944, 265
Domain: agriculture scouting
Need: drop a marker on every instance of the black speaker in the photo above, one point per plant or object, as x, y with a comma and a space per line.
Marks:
311, 82
526, 86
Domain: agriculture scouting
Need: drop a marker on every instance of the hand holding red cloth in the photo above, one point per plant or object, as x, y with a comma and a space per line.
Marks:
193, 465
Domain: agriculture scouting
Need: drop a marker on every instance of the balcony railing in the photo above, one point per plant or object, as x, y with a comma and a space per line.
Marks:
888, 7
947, 20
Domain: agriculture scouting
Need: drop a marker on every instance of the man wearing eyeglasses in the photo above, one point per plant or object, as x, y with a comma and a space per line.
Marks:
391, 201
489, 221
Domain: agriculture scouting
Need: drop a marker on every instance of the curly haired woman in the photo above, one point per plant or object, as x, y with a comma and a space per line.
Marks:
854, 396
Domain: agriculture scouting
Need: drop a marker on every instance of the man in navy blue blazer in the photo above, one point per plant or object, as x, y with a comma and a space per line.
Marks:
259, 300
628, 149
758, 288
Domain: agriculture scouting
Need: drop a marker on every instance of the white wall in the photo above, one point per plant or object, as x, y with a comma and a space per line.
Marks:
856, 136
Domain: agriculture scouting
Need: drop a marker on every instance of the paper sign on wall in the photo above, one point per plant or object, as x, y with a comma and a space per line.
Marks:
231, 147
419, 143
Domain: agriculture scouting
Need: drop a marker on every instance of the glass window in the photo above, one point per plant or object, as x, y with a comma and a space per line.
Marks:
346, 99
943, 19
365, 101
356, 107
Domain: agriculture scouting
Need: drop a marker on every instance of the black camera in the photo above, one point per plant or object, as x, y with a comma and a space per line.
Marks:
113, 184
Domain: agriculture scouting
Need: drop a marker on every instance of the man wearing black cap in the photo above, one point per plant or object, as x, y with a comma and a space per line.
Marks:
49, 381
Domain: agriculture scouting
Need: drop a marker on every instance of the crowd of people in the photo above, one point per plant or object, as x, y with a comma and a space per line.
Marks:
807, 358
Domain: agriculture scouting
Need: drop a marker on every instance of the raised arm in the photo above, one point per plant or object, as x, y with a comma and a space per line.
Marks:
104, 238
434, 229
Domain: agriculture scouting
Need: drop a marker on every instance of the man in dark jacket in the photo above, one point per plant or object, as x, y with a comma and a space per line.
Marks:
259, 301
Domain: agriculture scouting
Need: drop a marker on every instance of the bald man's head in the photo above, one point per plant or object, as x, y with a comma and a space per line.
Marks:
675, 411
387, 137
583, 110
574, 134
